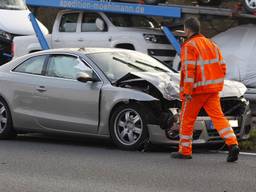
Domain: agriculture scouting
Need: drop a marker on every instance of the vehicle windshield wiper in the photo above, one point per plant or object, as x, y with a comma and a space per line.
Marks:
129, 64
154, 67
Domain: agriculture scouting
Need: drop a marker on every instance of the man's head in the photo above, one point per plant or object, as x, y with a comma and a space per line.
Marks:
191, 26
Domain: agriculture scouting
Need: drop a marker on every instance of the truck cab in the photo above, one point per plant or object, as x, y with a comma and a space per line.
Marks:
97, 29
14, 22
83, 29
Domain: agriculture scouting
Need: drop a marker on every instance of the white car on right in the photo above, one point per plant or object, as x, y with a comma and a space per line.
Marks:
238, 46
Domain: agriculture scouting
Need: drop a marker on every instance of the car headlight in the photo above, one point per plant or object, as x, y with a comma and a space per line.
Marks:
150, 37
5, 35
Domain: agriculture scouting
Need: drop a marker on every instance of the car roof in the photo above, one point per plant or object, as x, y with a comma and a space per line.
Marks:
72, 51
81, 50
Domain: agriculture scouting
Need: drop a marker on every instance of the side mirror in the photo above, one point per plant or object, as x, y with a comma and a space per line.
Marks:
100, 24
86, 76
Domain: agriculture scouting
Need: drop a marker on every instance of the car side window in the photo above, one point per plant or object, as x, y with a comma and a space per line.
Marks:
33, 65
69, 22
89, 22
67, 67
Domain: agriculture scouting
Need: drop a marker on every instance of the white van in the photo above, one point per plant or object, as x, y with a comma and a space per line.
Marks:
14, 21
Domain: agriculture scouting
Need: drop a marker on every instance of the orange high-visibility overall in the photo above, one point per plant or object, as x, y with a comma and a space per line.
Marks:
202, 76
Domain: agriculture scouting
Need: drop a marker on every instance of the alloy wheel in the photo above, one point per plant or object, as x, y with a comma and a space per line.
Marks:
3, 117
128, 127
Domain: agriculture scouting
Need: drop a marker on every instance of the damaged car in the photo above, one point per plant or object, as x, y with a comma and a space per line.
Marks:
120, 94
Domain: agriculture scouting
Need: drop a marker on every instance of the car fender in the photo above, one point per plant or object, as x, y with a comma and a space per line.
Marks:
5, 92
112, 96
114, 43
123, 38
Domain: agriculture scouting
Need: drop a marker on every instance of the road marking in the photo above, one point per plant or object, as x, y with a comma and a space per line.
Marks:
241, 153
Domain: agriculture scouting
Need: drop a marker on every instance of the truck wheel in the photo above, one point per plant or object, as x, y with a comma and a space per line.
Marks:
128, 127
250, 5
125, 46
209, 2
6, 130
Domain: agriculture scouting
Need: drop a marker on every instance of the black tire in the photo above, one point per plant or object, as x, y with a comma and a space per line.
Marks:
125, 46
127, 129
6, 129
209, 2
250, 5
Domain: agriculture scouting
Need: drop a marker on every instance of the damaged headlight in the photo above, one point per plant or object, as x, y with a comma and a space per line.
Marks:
169, 89
245, 101
5, 35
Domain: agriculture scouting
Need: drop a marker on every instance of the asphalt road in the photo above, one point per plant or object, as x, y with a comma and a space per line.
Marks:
40, 164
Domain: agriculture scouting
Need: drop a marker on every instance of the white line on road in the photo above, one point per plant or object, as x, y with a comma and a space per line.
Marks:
241, 153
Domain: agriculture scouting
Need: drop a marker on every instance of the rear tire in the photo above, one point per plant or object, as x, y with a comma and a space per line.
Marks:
6, 129
250, 5
209, 2
128, 127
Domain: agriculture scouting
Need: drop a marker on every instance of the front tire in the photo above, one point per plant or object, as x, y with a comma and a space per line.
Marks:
128, 127
6, 130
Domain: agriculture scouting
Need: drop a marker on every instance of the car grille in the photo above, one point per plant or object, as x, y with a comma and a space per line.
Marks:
230, 107
161, 52
161, 39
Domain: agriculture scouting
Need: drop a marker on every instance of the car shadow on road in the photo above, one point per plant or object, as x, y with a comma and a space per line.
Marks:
105, 143
66, 140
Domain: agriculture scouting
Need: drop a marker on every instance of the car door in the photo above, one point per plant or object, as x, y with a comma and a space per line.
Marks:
26, 98
89, 33
66, 36
71, 105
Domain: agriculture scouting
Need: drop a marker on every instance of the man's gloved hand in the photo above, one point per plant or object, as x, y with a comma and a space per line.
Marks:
188, 97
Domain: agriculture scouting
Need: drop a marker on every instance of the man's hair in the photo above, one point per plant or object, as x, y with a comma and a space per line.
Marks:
193, 24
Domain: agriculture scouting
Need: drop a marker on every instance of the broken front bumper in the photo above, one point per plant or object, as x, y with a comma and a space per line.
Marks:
204, 132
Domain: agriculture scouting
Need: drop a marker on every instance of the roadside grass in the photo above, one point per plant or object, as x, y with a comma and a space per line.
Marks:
250, 144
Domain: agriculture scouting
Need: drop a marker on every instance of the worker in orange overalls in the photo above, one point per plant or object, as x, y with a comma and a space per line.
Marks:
202, 78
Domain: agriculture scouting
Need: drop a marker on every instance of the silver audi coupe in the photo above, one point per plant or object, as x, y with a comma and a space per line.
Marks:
120, 94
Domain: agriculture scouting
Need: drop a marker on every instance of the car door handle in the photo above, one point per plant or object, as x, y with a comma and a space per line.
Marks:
41, 89
80, 40
57, 40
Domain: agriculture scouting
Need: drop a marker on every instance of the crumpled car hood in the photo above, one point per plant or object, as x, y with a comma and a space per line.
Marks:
168, 84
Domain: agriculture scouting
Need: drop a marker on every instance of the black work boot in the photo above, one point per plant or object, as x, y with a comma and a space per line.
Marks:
233, 153
178, 155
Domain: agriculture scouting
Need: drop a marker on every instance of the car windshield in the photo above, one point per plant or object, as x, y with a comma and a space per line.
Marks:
138, 21
12, 4
117, 64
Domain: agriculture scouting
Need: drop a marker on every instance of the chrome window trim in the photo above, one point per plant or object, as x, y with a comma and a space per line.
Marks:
50, 54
